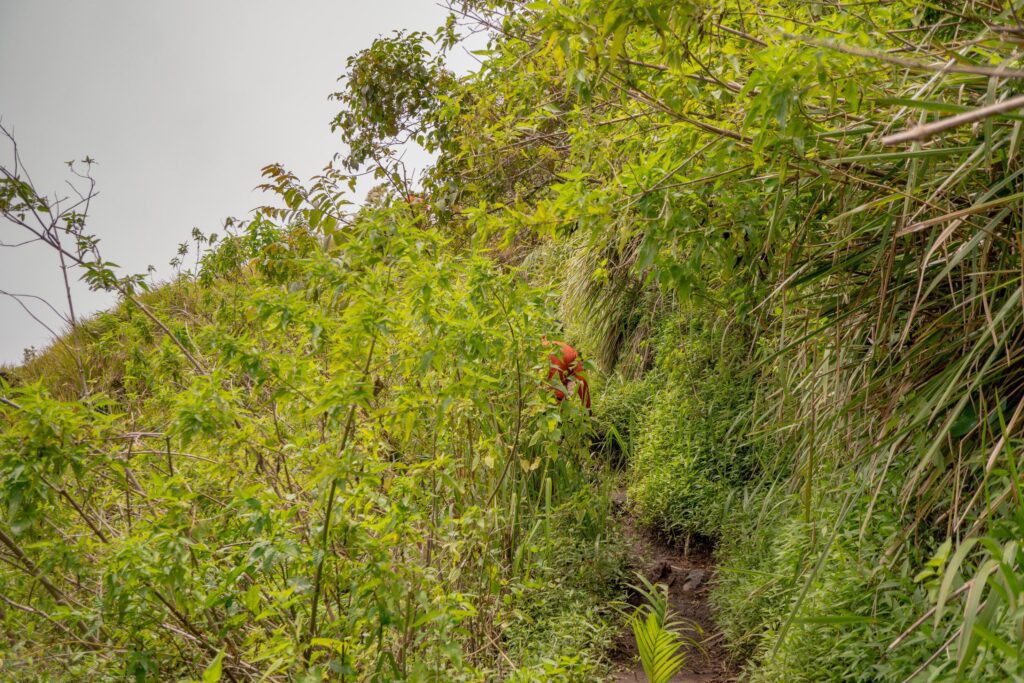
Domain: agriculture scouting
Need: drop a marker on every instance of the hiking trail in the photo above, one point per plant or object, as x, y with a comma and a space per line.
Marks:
688, 575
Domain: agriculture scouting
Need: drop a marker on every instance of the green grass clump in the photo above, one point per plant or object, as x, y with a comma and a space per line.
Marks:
557, 625
822, 637
559, 635
689, 454
825, 599
619, 407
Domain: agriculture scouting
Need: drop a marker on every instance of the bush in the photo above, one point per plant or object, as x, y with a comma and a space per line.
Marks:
362, 443
690, 453
619, 406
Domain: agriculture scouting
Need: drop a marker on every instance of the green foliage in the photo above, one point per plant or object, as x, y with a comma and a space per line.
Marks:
325, 455
369, 436
691, 452
835, 600
656, 631
391, 91
732, 155
619, 409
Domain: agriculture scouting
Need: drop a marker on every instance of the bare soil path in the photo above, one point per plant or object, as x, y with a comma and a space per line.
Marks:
688, 576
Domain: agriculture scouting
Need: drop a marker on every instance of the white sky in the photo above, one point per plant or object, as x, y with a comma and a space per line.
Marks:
181, 103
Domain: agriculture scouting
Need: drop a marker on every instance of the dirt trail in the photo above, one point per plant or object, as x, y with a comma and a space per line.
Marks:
689, 585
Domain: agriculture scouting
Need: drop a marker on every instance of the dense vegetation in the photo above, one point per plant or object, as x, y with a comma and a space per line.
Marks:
326, 453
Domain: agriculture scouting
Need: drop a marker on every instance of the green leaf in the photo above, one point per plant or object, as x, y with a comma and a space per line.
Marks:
212, 673
952, 571
968, 638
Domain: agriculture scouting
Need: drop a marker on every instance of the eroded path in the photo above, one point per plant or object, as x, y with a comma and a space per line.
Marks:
688, 576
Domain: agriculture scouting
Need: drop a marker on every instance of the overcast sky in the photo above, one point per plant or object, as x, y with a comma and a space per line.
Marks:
181, 103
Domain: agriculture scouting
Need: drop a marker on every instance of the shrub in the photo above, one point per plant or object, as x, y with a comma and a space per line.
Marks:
619, 406
690, 452
360, 481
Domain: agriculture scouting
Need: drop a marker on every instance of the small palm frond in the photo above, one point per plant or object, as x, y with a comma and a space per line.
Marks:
659, 647
657, 634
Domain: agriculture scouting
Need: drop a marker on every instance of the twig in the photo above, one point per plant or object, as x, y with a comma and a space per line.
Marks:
8, 402
926, 131
924, 617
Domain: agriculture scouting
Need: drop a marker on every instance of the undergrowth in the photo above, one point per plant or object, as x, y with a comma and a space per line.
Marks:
690, 448
343, 491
